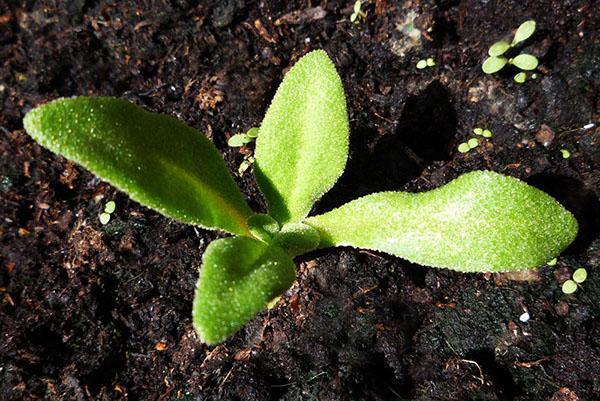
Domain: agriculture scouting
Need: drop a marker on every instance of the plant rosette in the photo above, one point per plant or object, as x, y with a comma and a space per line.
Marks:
479, 222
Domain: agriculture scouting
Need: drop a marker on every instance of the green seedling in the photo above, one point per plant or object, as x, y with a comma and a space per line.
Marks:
357, 13
237, 140
109, 208
565, 153
579, 276
474, 142
429, 62
486, 133
498, 54
479, 222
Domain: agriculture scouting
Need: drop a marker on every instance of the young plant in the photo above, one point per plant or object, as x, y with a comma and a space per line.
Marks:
424, 63
480, 222
579, 276
242, 139
357, 13
497, 54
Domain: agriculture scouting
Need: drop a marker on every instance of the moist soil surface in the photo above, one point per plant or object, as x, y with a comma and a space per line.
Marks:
102, 312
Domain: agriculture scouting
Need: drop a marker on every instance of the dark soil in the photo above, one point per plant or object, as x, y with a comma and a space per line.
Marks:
93, 312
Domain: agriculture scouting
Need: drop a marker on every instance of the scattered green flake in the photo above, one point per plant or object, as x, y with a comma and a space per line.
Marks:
463, 147
357, 12
493, 64
104, 218
422, 64
552, 262
580, 275
569, 287
271, 304
498, 48
238, 140
565, 153
525, 62
520, 77
430, 62
486, 133
110, 207
524, 31
252, 132
478, 131
473, 143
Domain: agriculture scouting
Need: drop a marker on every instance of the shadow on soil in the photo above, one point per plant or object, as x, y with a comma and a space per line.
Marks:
425, 133
578, 199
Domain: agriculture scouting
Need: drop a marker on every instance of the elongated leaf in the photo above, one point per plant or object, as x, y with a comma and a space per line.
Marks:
524, 31
302, 146
239, 276
482, 221
156, 159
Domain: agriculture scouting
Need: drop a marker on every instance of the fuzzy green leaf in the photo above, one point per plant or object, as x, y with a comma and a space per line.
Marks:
525, 62
238, 140
297, 238
263, 227
498, 48
493, 64
481, 221
239, 276
302, 146
524, 31
156, 159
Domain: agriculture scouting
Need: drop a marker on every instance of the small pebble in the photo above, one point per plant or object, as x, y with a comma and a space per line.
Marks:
562, 309
524, 317
545, 135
